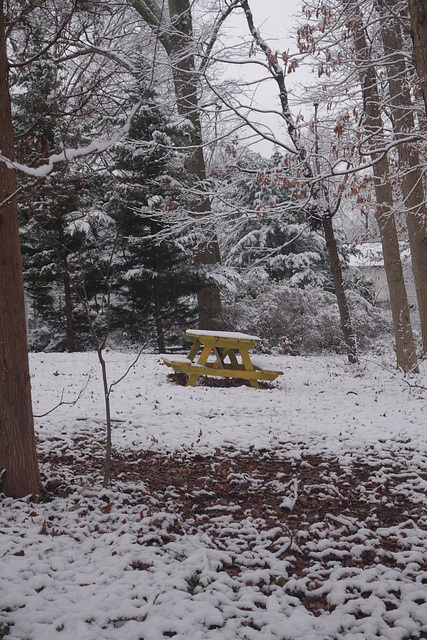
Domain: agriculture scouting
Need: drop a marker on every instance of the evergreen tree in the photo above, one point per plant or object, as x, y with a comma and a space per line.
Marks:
155, 279
81, 217
65, 241
265, 231
59, 219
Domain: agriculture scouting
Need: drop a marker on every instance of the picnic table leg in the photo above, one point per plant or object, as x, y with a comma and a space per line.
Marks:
192, 379
248, 366
232, 355
219, 358
191, 382
194, 349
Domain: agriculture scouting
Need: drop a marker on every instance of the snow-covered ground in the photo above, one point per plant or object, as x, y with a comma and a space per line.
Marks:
296, 512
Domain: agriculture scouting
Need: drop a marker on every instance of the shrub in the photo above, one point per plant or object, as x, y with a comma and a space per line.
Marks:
301, 321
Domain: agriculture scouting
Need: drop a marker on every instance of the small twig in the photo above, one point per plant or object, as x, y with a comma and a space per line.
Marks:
132, 364
403, 378
62, 401
414, 386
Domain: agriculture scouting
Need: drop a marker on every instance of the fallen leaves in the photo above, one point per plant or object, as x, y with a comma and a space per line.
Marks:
307, 532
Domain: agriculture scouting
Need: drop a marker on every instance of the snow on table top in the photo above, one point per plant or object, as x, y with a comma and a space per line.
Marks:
223, 334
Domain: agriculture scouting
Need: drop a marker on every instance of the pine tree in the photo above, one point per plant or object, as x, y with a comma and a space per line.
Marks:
155, 279
267, 232
63, 257
61, 224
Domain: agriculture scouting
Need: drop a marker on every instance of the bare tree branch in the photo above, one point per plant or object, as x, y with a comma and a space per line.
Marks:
62, 401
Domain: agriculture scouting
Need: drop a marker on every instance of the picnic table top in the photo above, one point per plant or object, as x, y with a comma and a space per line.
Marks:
231, 335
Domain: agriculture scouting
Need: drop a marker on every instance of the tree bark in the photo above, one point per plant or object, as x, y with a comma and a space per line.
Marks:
347, 329
404, 340
159, 321
18, 458
418, 14
68, 310
107, 404
409, 160
185, 82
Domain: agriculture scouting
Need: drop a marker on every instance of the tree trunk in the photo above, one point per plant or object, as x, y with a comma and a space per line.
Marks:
18, 458
68, 310
347, 329
107, 405
418, 13
409, 160
177, 40
158, 311
405, 345
185, 82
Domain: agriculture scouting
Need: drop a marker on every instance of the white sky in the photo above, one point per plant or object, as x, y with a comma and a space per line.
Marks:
275, 19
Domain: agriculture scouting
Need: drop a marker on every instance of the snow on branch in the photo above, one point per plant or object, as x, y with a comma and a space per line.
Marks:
69, 154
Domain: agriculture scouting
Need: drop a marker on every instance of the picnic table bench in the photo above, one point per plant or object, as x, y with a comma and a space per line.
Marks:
224, 353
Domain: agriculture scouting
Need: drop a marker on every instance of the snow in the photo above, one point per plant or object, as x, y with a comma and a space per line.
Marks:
370, 254
130, 562
223, 334
176, 357
70, 154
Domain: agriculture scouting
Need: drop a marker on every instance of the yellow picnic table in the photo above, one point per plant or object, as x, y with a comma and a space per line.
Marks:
223, 353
